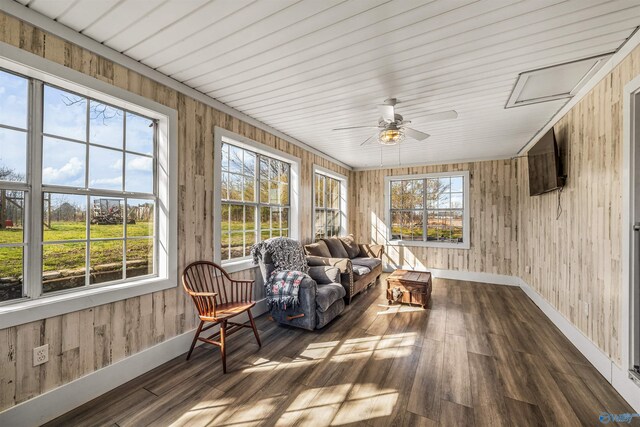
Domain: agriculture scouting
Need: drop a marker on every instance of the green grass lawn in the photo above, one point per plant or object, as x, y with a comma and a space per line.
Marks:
72, 255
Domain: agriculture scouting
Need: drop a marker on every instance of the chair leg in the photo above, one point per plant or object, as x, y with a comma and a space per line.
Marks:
223, 351
195, 338
255, 330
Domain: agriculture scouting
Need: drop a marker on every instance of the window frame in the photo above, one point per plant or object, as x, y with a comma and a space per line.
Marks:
223, 135
466, 234
344, 185
35, 305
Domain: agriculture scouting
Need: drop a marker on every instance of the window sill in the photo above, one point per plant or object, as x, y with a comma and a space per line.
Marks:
31, 310
464, 246
238, 265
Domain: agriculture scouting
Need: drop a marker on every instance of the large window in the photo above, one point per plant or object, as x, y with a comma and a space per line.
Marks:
328, 205
429, 208
86, 172
255, 194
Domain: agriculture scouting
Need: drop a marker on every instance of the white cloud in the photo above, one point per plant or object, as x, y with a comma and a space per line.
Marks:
70, 171
144, 164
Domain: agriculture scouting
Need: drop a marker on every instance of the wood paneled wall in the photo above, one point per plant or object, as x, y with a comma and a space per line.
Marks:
576, 258
493, 214
84, 341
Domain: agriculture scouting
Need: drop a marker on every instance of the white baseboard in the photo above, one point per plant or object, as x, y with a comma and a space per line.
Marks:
56, 402
619, 379
469, 276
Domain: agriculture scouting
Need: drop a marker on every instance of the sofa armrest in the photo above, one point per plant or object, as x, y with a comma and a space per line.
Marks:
343, 264
372, 251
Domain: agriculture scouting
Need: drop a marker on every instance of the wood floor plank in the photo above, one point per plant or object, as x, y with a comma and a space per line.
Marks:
454, 415
524, 414
426, 390
378, 365
456, 385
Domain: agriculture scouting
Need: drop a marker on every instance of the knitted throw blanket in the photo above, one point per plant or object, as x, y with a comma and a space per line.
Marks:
282, 289
286, 254
290, 268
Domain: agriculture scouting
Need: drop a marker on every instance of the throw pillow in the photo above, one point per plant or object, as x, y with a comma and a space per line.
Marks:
318, 249
335, 247
350, 245
324, 275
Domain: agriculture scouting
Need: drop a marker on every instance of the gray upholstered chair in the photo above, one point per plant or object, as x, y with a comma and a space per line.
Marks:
320, 297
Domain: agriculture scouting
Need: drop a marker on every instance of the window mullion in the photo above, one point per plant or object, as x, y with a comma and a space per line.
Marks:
33, 261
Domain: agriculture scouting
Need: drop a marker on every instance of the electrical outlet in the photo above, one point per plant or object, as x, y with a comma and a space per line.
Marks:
528, 269
40, 355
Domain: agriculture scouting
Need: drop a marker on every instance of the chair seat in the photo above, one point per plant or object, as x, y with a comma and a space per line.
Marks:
224, 311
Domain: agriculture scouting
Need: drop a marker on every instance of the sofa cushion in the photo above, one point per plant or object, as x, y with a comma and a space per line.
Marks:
328, 294
336, 248
371, 263
350, 245
325, 274
361, 270
318, 249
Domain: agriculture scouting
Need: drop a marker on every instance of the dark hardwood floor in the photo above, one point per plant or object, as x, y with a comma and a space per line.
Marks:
481, 355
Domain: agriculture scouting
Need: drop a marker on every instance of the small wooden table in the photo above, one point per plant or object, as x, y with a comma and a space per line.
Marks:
415, 286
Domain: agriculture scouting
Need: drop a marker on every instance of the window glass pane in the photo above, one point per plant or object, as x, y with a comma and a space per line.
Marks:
105, 168
106, 261
444, 184
434, 229
285, 218
250, 240
235, 187
433, 192
237, 218
224, 186
284, 193
249, 163
139, 174
396, 194
249, 189
444, 201
11, 216
106, 125
225, 157
265, 234
396, 225
10, 273
107, 218
65, 114
224, 218
140, 218
265, 218
224, 246
456, 200
139, 257
264, 169
236, 163
273, 193
414, 199
321, 223
456, 226
63, 163
249, 218
412, 225
64, 217
63, 266
13, 155
457, 184
319, 191
139, 135
237, 245
14, 100
274, 170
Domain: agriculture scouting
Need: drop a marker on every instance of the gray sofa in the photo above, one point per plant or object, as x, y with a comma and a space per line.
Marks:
321, 297
360, 264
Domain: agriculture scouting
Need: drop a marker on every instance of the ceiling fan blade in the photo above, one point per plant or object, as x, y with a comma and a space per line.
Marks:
416, 134
368, 139
387, 112
357, 127
442, 115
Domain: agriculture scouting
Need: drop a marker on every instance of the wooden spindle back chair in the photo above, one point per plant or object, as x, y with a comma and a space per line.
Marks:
218, 298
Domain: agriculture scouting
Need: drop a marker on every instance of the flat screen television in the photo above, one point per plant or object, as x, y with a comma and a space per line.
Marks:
545, 169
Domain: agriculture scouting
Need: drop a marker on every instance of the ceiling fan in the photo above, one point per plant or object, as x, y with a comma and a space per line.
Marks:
391, 129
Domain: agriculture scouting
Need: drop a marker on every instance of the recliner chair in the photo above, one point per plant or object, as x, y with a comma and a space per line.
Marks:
320, 297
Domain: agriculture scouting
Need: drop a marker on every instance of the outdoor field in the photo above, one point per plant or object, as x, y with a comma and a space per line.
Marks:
69, 256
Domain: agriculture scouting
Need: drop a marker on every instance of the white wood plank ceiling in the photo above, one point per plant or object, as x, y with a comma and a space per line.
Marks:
307, 66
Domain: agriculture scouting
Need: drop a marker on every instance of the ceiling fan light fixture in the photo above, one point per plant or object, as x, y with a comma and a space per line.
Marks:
391, 136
